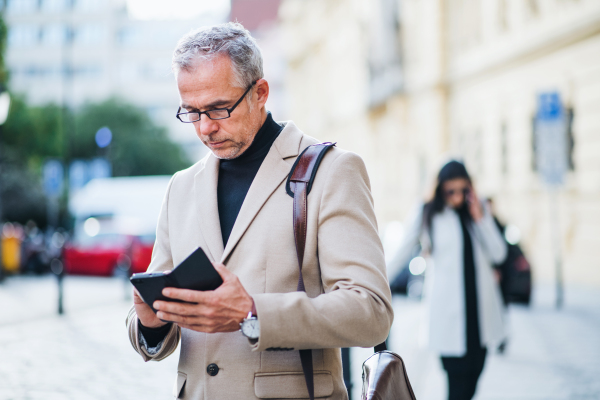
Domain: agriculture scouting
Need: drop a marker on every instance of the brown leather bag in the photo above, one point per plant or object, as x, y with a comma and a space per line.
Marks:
384, 375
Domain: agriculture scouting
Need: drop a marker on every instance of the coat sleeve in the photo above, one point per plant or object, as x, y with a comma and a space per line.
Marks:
355, 308
487, 231
412, 233
161, 261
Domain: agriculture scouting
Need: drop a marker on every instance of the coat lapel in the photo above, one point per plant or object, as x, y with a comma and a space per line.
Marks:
205, 193
272, 172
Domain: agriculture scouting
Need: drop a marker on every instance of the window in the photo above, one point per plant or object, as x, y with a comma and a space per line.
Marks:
385, 62
88, 72
23, 35
570, 139
504, 148
532, 8
21, 6
131, 36
90, 35
56, 6
503, 14
88, 5
55, 35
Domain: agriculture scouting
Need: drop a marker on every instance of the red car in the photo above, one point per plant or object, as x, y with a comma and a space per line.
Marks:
108, 254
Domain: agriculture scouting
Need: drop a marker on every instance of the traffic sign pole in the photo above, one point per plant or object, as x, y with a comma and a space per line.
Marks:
552, 164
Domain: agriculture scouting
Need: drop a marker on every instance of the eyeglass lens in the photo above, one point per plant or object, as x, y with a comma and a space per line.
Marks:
213, 114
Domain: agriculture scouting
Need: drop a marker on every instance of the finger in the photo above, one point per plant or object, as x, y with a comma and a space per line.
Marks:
137, 298
178, 319
191, 296
177, 308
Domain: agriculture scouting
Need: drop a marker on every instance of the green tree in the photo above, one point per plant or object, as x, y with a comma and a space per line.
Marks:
34, 133
139, 146
3, 36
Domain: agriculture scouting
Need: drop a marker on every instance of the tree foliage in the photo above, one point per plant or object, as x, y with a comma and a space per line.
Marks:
33, 134
139, 147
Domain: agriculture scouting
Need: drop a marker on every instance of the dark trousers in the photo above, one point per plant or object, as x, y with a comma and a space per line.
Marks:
463, 374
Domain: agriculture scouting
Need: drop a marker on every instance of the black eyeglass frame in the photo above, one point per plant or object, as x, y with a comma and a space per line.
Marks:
229, 110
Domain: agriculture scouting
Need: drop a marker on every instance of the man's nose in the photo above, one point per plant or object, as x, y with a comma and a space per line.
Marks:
206, 126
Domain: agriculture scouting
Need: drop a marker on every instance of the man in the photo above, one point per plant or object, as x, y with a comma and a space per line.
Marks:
234, 205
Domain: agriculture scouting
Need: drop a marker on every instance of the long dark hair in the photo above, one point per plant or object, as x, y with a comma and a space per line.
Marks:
452, 170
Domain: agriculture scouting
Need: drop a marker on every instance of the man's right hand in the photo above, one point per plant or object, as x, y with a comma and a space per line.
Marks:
145, 313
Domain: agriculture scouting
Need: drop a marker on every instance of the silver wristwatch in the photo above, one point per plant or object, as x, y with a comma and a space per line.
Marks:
250, 326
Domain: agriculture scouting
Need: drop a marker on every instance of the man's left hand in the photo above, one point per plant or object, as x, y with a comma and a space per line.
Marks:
219, 310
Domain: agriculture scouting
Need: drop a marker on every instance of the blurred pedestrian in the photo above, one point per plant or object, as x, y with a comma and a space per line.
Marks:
464, 302
234, 204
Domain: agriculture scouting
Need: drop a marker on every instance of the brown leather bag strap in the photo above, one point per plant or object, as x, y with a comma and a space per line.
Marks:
299, 183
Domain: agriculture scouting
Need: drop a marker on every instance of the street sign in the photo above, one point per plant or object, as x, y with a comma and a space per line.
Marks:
78, 175
551, 142
83, 171
52, 174
551, 147
99, 168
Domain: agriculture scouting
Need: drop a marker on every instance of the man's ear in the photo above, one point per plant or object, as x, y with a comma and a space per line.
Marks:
262, 92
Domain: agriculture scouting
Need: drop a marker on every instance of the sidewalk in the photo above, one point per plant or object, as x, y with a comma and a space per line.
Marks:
552, 355
84, 354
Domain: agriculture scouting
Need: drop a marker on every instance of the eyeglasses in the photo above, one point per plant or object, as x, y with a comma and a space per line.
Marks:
217, 113
451, 192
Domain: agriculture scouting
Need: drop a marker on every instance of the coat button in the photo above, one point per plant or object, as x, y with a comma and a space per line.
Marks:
212, 369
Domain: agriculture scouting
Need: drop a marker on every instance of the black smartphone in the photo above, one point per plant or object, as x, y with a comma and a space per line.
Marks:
196, 272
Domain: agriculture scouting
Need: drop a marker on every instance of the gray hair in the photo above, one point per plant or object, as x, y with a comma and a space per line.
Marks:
230, 39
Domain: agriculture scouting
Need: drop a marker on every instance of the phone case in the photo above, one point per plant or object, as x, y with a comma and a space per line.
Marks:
196, 272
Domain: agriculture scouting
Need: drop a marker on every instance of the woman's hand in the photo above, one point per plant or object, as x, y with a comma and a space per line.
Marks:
475, 208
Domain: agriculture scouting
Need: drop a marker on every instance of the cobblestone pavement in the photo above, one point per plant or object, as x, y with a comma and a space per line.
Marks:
85, 354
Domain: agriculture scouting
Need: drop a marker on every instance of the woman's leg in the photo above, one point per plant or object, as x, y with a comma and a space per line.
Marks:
459, 377
477, 368
459, 386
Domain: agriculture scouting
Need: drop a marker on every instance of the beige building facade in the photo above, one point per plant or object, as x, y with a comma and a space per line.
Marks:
409, 84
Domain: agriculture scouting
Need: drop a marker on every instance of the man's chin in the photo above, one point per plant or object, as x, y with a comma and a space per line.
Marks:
225, 154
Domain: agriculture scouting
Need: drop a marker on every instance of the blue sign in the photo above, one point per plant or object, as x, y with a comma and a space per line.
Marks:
99, 168
83, 171
78, 175
52, 174
551, 144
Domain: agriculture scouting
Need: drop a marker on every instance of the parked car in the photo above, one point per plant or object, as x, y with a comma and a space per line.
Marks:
141, 252
410, 278
108, 254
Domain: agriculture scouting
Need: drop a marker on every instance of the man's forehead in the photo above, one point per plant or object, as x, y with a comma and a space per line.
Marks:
215, 71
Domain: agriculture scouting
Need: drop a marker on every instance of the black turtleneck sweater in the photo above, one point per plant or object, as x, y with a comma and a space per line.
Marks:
235, 177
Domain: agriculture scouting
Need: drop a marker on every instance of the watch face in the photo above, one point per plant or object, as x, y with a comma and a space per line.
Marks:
251, 328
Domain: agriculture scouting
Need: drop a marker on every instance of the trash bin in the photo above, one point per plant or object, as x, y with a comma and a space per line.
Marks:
11, 248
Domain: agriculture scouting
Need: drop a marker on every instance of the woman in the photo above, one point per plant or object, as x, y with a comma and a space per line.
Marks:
464, 303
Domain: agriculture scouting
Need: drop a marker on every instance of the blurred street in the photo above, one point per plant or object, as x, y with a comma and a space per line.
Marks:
552, 354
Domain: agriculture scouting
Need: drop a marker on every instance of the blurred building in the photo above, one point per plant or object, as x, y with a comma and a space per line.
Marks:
76, 51
409, 83
260, 17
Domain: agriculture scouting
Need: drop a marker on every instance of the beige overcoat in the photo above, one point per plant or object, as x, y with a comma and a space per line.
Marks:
347, 301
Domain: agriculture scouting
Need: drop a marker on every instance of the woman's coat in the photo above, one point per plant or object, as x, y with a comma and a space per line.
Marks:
444, 294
